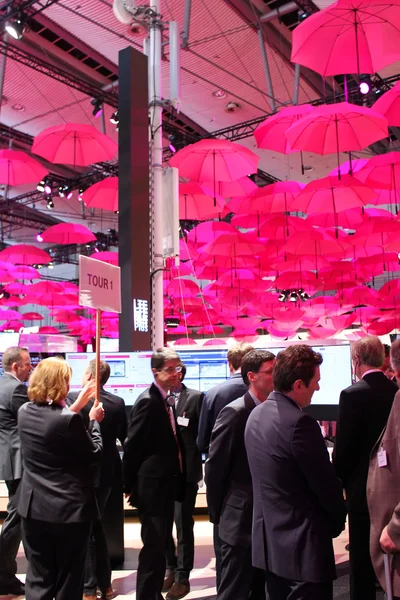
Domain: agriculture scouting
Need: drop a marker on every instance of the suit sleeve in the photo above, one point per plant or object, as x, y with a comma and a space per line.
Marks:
219, 461
138, 432
205, 426
123, 427
88, 446
348, 435
19, 397
310, 453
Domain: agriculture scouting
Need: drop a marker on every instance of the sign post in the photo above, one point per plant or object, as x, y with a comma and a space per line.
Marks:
99, 288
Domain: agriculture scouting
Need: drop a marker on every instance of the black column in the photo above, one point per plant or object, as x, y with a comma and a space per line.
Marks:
134, 205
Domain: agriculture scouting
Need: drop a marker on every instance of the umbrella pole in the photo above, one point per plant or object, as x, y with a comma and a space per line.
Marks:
215, 199
98, 333
335, 213
337, 147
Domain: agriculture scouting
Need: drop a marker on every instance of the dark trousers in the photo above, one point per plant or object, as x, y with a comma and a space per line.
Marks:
156, 532
362, 574
181, 562
10, 536
280, 588
239, 579
218, 558
97, 567
56, 559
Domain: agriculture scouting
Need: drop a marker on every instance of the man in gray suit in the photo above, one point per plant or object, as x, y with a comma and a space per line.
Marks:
228, 479
298, 501
16, 365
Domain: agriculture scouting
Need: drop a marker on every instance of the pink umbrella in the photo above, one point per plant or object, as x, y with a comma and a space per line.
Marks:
215, 160
206, 232
214, 342
351, 36
388, 105
270, 134
74, 144
211, 330
383, 172
185, 342
318, 243
68, 233
280, 228
350, 166
16, 288
336, 128
349, 219
25, 273
195, 202
232, 245
17, 168
8, 315
108, 257
272, 198
32, 316
25, 254
231, 189
6, 277
183, 288
306, 281
45, 287
103, 194
11, 325
48, 330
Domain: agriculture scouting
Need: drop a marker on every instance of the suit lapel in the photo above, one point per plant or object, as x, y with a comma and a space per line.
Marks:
249, 402
182, 401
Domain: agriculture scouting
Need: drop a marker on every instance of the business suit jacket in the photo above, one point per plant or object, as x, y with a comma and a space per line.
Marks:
363, 413
383, 495
151, 466
189, 406
58, 453
113, 427
298, 501
214, 401
227, 474
13, 394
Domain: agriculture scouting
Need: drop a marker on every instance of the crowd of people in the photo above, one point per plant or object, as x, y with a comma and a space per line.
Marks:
275, 498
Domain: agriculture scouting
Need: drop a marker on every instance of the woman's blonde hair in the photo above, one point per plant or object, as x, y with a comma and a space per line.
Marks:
50, 381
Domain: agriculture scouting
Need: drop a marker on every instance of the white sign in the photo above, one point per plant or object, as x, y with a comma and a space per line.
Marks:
140, 315
99, 285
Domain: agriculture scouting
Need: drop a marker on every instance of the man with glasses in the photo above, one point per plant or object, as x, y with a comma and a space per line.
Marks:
154, 469
228, 480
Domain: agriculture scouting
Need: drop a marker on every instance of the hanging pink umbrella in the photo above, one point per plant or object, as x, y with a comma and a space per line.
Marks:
74, 144
282, 227
350, 167
232, 245
243, 186
185, 342
195, 202
388, 105
25, 254
17, 168
272, 198
8, 315
215, 342
16, 288
68, 233
215, 160
183, 288
318, 243
349, 219
32, 316
382, 172
207, 232
103, 194
351, 36
25, 273
6, 276
108, 257
48, 330
270, 134
45, 287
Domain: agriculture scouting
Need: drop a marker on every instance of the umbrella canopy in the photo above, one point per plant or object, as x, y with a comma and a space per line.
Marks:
382, 172
215, 160
197, 203
74, 144
103, 194
17, 168
68, 233
270, 134
388, 105
25, 254
351, 36
269, 199
350, 166
232, 189
337, 128
108, 257
25, 273
32, 316
8, 315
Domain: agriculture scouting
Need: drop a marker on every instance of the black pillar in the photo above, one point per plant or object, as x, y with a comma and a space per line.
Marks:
134, 204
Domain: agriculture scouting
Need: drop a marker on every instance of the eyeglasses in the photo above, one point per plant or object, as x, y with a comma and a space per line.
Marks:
269, 372
171, 370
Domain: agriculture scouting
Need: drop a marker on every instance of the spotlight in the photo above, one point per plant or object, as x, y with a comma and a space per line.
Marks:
172, 140
96, 249
365, 85
44, 185
39, 237
97, 106
40, 186
80, 195
282, 297
293, 297
64, 191
303, 295
50, 203
114, 119
302, 14
47, 188
50, 265
15, 27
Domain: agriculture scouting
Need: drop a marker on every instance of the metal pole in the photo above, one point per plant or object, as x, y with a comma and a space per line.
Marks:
3, 63
157, 317
279, 12
270, 88
103, 120
296, 84
186, 23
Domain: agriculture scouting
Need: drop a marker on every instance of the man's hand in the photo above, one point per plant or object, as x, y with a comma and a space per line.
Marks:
386, 542
86, 394
97, 413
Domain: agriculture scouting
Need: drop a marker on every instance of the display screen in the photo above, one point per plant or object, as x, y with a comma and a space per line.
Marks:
131, 371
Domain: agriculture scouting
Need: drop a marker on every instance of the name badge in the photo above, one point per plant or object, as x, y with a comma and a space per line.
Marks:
183, 421
382, 458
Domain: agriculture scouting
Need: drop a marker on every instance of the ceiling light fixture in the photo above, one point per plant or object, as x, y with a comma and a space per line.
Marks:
114, 119
171, 139
219, 94
16, 27
97, 106
49, 203
39, 237
365, 85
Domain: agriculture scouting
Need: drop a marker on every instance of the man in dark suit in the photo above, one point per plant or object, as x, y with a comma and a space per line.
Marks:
229, 487
154, 467
16, 365
187, 406
108, 475
298, 501
214, 401
364, 409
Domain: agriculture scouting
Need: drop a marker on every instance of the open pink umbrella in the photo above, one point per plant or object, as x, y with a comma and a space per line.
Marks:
25, 254
196, 202
8, 315
32, 316
183, 288
103, 194
232, 189
272, 198
207, 232
74, 144
382, 172
68, 233
350, 166
185, 342
17, 168
25, 273
214, 342
270, 134
108, 257
388, 105
351, 36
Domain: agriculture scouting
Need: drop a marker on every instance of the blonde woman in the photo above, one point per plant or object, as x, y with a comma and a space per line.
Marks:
57, 500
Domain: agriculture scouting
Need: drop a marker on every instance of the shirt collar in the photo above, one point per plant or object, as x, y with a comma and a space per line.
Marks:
255, 399
163, 393
371, 371
12, 375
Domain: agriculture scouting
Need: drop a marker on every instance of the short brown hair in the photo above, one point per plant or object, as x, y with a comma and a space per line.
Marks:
395, 355
50, 381
10, 356
293, 363
237, 352
161, 356
253, 361
104, 370
369, 351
